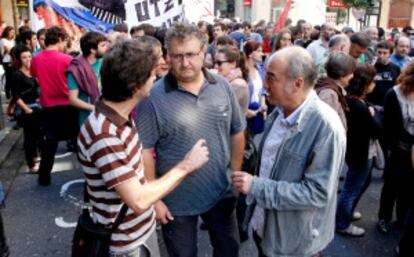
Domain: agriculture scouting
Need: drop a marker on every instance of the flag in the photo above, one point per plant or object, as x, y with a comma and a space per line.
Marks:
283, 16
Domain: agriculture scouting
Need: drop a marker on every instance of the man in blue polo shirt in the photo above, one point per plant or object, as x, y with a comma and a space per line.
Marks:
187, 104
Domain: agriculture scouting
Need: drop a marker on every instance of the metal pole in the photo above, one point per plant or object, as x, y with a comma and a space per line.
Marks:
15, 14
379, 13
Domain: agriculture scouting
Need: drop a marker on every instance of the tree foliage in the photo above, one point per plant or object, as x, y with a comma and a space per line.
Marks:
358, 3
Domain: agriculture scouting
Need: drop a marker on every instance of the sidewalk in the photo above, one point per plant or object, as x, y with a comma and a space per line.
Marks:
11, 151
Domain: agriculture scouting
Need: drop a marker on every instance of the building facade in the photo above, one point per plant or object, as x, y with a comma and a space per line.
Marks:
397, 13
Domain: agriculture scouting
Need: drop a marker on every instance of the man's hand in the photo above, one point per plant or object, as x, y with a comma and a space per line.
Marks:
162, 213
196, 157
242, 181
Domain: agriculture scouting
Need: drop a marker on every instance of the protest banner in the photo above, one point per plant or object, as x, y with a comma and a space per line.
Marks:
102, 16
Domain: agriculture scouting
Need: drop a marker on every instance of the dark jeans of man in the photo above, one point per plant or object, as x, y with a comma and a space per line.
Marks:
356, 183
57, 123
257, 240
4, 249
180, 235
241, 214
396, 183
31, 134
406, 243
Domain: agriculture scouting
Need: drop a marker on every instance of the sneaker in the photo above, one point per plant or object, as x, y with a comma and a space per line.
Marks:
352, 230
383, 226
356, 216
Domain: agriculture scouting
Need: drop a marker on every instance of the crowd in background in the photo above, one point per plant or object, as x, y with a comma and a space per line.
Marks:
54, 82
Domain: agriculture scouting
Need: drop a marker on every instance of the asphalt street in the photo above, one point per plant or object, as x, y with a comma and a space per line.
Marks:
39, 221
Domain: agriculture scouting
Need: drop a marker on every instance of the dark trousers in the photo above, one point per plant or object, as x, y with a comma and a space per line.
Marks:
31, 134
8, 71
180, 235
241, 215
257, 240
356, 183
406, 243
396, 186
57, 123
4, 249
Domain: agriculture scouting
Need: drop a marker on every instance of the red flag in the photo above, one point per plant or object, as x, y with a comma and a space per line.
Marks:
283, 16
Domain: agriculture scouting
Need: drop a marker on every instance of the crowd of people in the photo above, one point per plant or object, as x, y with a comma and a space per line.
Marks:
162, 119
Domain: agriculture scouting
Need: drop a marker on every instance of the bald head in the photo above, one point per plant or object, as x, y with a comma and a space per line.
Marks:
297, 62
372, 33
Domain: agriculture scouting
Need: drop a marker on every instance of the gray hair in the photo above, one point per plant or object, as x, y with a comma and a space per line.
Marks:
338, 40
299, 64
181, 31
370, 28
397, 41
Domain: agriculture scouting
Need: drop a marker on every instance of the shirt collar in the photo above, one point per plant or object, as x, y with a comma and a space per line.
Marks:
293, 118
171, 83
111, 114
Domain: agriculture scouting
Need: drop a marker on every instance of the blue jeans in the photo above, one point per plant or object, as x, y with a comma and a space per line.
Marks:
180, 234
357, 181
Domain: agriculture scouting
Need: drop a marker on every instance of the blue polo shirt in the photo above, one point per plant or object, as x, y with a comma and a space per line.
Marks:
172, 120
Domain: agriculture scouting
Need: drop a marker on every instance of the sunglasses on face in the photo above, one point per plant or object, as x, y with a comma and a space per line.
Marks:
219, 63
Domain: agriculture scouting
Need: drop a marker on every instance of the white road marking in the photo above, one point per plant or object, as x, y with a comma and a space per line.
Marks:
63, 224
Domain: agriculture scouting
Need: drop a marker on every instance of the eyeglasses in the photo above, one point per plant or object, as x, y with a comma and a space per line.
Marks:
180, 57
219, 63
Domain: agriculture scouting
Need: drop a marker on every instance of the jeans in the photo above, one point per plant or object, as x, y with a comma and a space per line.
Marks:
396, 186
8, 71
180, 234
357, 181
4, 249
31, 133
57, 123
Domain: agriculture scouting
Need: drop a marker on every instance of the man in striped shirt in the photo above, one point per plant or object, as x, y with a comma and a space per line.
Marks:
110, 153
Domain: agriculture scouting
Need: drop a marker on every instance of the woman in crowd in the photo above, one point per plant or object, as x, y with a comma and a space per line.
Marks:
283, 39
230, 65
331, 89
7, 42
363, 130
399, 137
257, 104
25, 95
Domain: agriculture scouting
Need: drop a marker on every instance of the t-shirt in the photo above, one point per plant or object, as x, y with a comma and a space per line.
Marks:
212, 51
238, 37
384, 80
110, 154
24, 87
49, 67
73, 85
4, 42
317, 50
407, 110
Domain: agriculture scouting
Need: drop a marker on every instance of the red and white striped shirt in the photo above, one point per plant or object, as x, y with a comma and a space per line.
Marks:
110, 154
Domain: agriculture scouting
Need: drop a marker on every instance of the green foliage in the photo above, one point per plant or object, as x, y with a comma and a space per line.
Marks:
358, 3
